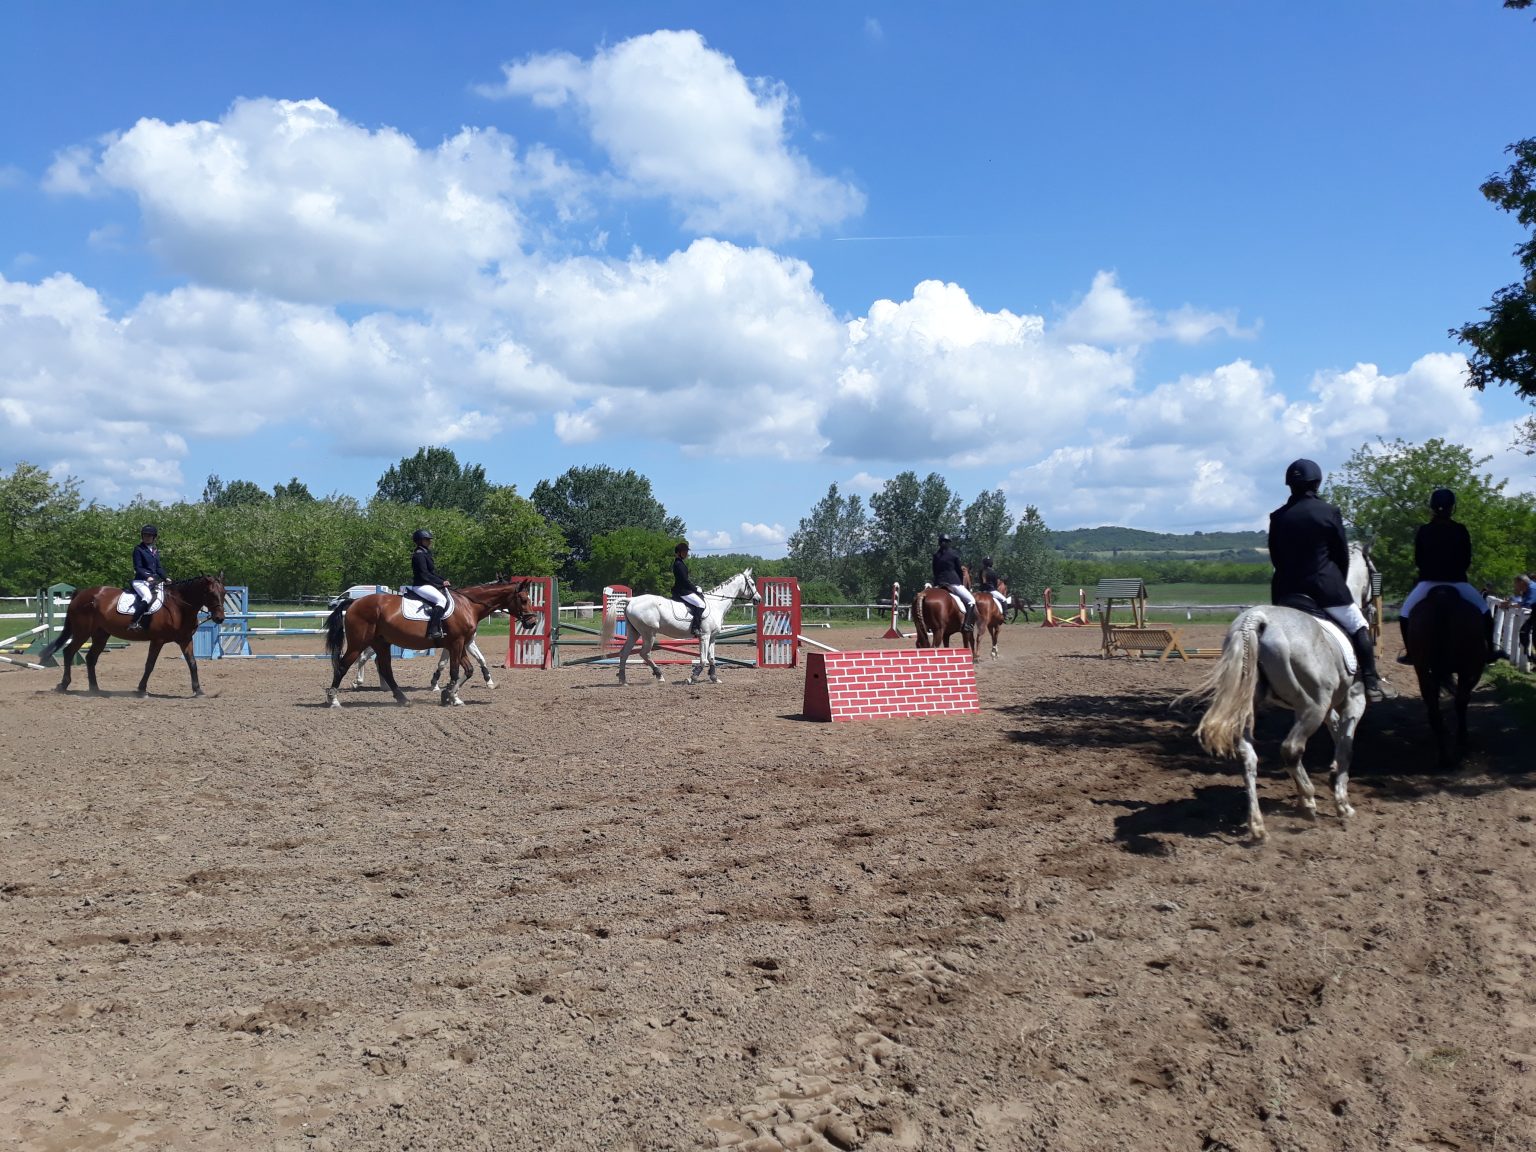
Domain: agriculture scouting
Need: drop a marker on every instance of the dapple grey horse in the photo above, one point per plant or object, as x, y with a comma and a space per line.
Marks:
646, 616
1275, 655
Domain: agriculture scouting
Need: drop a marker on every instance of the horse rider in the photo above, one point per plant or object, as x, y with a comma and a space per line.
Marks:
947, 574
1442, 552
1310, 553
989, 583
148, 574
684, 589
426, 585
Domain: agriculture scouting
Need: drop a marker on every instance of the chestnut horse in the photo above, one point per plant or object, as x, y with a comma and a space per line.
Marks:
1449, 644
377, 620
93, 616
937, 617
990, 615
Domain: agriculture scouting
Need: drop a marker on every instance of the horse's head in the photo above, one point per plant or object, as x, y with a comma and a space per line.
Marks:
517, 600
214, 598
750, 587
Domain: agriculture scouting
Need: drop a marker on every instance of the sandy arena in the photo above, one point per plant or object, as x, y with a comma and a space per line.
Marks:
570, 916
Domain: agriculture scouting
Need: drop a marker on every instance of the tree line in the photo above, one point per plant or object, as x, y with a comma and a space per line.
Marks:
594, 526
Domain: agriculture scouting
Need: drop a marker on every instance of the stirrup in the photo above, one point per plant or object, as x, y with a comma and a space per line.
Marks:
1405, 659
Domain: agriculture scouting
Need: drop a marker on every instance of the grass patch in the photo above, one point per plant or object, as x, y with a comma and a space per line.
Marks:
1516, 690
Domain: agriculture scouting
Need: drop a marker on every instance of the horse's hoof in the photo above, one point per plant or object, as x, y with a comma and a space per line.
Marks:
403, 701
198, 692
489, 683
142, 693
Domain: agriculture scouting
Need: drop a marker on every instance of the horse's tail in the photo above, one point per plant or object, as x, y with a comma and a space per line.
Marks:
919, 622
1231, 687
336, 630
45, 657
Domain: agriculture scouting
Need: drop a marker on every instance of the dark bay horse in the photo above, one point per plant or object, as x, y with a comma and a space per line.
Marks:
937, 617
990, 615
93, 616
377, 620
1449, 644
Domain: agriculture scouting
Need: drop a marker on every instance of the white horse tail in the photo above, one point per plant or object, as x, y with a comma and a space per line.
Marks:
1231, 687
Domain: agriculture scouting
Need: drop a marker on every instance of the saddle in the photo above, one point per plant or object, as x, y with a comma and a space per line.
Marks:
413, 607
1301, 602
127, 600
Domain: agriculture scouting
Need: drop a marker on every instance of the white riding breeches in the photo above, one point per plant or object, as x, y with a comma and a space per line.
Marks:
1348, 617
1421, 590
431, 594
1002, 601
692, 598
964, 593
144, 590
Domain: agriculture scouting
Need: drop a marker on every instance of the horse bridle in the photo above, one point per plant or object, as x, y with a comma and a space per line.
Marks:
751, 588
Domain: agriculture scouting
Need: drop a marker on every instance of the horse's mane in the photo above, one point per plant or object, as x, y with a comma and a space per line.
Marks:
718, 589
182, 583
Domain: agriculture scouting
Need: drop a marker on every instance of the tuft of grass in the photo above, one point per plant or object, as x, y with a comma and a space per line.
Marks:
1516, 690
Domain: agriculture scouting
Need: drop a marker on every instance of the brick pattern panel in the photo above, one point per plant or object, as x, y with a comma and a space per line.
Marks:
901, 682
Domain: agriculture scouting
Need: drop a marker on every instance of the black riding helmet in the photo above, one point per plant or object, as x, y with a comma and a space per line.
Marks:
944, 538
986, 561
1303, 473
1442, 500
421, 535
149, 530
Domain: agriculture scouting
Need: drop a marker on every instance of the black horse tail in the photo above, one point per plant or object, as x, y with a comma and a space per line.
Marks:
45, 657
336, 631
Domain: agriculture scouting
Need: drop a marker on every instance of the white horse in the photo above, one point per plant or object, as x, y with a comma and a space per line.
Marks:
472, 652
649, 615
1276, 655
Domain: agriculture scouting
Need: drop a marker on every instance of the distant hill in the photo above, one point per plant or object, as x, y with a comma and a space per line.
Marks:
1099, 541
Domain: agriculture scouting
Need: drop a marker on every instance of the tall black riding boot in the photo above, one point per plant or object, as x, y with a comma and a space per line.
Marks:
1406, 657
697, 627
1365, 656
435, 624
969, 624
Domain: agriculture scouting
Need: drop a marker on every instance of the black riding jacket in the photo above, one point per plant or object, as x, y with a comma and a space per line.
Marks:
424, 571
146, 563
1442, 550
988, 579
946, 566
682, 583
1309, 551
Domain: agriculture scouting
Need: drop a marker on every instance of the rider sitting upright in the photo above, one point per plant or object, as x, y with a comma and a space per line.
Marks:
427, 585
148, 573
947, 574
1442, 552
684, 589
1311, 557
989, 583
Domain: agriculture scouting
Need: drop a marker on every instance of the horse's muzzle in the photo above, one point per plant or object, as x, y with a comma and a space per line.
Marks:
529, 619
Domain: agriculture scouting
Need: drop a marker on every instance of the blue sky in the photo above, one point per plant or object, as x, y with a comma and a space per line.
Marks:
1122, 260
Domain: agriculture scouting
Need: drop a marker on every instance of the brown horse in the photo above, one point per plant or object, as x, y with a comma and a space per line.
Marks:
1449, 644
936, 617
93, 616
376, 621
990, 615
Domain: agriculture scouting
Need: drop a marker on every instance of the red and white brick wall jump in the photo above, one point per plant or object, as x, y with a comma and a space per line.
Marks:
899, 682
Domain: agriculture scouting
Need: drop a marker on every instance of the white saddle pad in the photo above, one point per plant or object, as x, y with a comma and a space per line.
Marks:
414, 609
1346, 649
126, 601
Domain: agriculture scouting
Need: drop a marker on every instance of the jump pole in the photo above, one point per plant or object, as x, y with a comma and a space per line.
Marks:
893, 632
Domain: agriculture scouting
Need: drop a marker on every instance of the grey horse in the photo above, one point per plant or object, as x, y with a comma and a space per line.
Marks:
1276, 655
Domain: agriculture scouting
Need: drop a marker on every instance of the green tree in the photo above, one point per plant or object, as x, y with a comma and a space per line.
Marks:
1383, 491
638, 557
1504, 345
1030, 566
434, 478
295, 490
830, 543
985, 526
588, 502
514, 539
232, 495
907, 517
34, 508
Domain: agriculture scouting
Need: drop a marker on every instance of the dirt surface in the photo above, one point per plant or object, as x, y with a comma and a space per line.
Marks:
568, 915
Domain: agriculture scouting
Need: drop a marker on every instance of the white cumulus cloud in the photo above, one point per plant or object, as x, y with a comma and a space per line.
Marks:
678, 120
